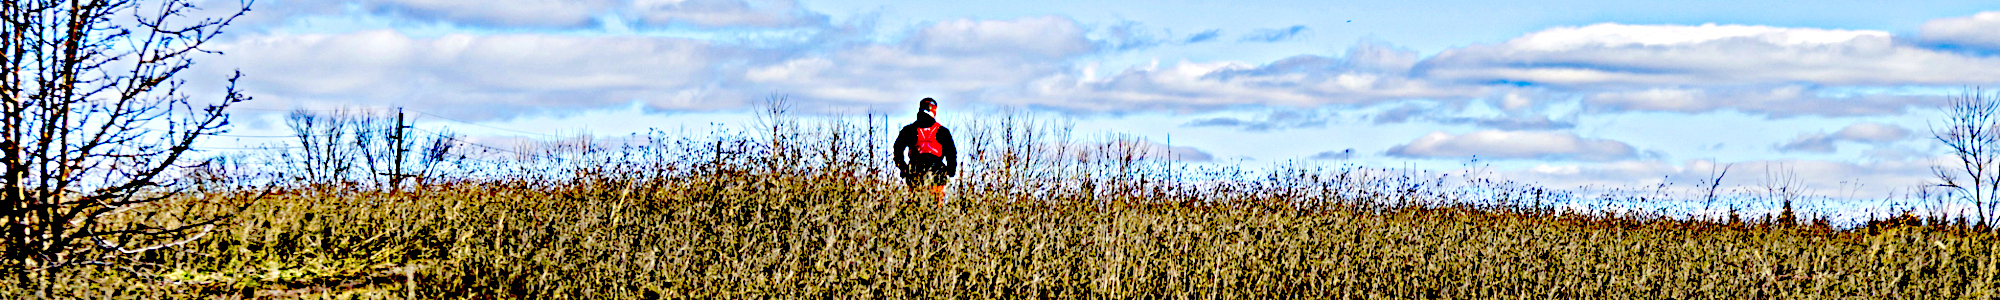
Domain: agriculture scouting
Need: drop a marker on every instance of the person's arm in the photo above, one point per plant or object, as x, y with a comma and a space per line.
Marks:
950, 151
903, 140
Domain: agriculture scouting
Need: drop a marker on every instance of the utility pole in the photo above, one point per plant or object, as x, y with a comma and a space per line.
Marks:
397, 146
398, 168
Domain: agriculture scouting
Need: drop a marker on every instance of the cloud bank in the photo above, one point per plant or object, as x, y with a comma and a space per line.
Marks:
502, 75
1048, 62
1498, 144
1613, 55
521, 58
1865, 132
556, 13
1975, 31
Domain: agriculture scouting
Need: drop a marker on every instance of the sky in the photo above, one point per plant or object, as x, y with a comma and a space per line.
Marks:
1561, 93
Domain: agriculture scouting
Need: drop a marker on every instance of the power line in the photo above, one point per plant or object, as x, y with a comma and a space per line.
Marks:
489, 147
439, 135
263, 136
246, 148
280, 136
477, 124
411, 110
457, 140
369, 109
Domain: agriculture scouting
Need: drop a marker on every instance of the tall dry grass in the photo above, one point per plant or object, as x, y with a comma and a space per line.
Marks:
803, 208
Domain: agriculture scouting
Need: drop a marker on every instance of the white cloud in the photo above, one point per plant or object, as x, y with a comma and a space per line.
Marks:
1368, 74
1611, 55
1273, 35
1820, 143
1609, 68
1032, 62
562, 13
507, 74
1498, 144
887, 74
1872, 132
952, 61
1980, 30
1046, 62
1274, 120
499, 74
1048, 37
725, 13
1868, 132
1778, 101
1515, 120
531, 13
1204, 36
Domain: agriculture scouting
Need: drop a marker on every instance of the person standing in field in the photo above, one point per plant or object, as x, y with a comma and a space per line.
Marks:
933, 160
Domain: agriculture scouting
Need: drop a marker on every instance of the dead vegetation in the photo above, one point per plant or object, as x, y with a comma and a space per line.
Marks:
802, 209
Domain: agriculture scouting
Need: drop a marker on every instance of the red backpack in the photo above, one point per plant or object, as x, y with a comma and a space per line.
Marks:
927, 141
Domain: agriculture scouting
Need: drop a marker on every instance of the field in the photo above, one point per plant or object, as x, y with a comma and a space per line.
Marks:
804, 210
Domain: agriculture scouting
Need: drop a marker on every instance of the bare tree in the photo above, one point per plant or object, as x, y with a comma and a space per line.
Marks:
1714, 182
95, 121
354, 146
320, 156
1968, 132
1782, 184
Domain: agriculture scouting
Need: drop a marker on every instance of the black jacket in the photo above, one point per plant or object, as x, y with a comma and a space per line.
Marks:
907, 140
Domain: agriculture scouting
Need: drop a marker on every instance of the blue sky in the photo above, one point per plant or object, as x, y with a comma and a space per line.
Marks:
1565, 93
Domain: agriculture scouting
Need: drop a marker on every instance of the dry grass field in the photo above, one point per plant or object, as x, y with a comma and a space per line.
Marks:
804, 211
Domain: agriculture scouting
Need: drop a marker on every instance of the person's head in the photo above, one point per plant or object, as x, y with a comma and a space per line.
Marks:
927, 107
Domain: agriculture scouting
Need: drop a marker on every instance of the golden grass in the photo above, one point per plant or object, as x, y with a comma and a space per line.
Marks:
736, 224
737, 238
